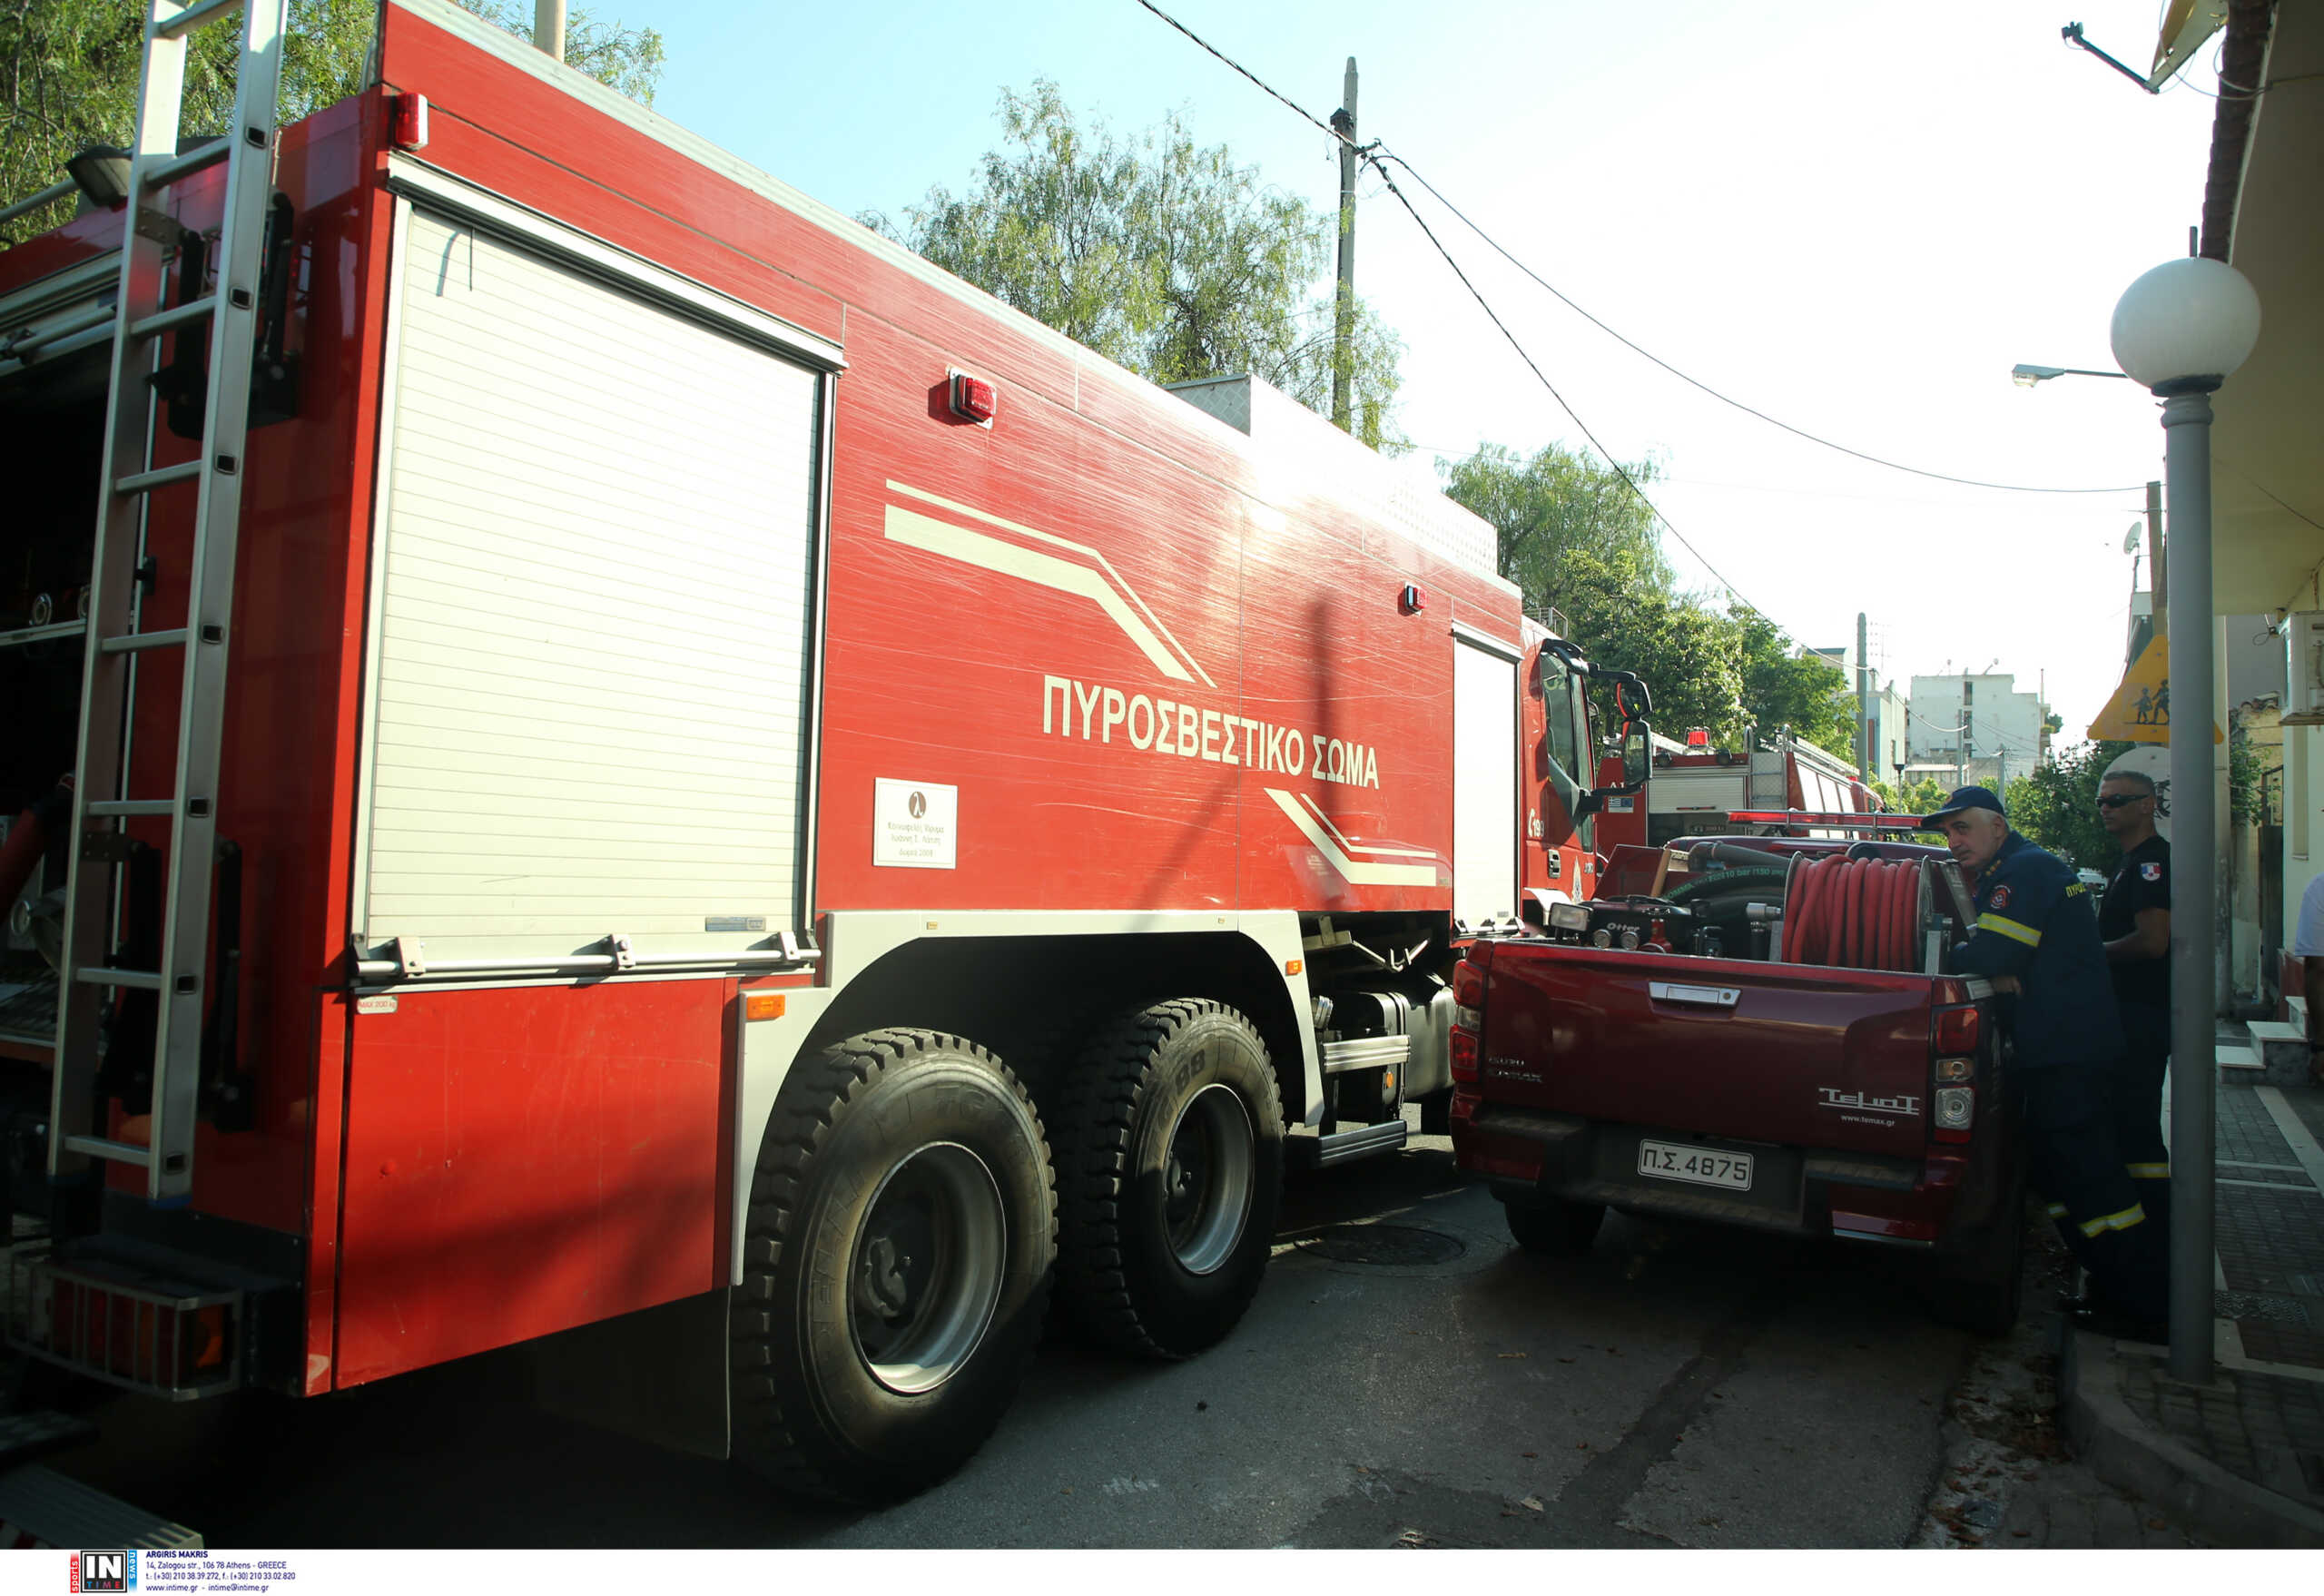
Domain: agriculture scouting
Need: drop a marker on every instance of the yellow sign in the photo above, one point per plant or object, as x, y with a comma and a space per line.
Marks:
2140, 711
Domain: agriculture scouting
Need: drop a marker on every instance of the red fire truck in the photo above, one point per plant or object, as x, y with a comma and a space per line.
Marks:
654, 776
1695, 789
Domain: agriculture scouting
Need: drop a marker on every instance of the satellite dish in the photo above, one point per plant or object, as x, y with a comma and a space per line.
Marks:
2131, 539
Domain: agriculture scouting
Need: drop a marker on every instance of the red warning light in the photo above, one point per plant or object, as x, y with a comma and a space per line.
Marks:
974, 399
408, 121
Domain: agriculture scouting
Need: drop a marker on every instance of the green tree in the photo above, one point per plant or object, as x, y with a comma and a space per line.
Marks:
1558, 504
1575, 538
2247, 777
1781, 689
2057, 804
68, 77
1685, 653
1919, 797
627, 60
1160, 254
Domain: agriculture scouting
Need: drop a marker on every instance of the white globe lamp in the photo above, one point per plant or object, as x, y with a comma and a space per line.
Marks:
2186, 326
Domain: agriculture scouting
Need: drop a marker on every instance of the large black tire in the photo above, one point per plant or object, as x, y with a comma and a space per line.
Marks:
1040, 1044
1981, 1292
1553, 1226
895, 1267
1169, 1156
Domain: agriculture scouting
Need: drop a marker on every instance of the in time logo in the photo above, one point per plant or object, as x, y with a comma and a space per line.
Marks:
104, 1570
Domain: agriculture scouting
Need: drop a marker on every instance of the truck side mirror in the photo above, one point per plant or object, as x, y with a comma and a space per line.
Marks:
1637, 758
1632, 699
1636, 753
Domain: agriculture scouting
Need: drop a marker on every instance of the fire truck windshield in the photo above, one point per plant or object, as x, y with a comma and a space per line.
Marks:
1561, 724
1565, 725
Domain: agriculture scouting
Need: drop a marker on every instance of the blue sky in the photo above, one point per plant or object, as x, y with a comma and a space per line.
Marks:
1856, 217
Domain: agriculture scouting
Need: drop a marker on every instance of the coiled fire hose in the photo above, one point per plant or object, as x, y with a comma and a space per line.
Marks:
1854, 913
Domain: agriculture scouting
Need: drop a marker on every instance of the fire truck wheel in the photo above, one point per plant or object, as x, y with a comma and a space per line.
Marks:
896, 1266
1169, 1156
1554, 1227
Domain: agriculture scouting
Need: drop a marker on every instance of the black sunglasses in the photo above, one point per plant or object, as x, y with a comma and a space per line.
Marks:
2116, 799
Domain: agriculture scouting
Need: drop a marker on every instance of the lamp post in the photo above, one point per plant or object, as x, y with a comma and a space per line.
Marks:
2181, 331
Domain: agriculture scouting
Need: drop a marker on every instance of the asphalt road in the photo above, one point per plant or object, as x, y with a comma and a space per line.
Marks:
1406, 1376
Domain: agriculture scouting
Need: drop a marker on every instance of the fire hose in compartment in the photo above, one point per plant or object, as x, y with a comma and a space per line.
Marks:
1858, 913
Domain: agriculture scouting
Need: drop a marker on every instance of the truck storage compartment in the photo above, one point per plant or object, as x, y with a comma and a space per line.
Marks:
52, 414
594, 604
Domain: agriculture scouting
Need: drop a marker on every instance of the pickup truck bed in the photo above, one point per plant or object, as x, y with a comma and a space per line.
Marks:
1782, 1097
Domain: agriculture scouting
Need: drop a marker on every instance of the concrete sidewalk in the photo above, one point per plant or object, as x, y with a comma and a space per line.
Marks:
2239, 1461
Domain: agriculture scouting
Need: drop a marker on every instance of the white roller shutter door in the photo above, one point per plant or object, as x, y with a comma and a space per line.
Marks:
1485, 784
593, 619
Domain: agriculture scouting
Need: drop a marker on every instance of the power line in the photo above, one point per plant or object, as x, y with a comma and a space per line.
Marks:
1372, 160
2130, 508
1606, 453
1705, 387
1324, 127
1373, 154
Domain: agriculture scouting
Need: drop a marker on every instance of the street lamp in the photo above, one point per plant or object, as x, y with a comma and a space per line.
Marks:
2181, 331
2027, 376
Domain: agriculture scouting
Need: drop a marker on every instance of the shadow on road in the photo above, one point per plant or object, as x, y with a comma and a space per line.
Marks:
456, 1456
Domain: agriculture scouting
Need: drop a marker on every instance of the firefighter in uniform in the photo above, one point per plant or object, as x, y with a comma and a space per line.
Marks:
2134, 922
2036, 936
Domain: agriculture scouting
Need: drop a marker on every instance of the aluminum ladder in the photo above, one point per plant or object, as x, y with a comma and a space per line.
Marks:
91, 982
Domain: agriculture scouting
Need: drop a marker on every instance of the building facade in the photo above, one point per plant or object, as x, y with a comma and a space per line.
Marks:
1891, 720
1977, 718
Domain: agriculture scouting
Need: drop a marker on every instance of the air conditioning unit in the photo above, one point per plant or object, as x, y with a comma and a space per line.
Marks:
2304, 669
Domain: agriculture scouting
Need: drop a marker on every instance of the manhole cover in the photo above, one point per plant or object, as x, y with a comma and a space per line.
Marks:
1395, 1245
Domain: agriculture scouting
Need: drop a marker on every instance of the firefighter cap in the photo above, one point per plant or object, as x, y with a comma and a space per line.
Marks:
1964, 798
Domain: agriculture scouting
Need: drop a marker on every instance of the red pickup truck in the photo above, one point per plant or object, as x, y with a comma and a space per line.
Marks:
1755, 1032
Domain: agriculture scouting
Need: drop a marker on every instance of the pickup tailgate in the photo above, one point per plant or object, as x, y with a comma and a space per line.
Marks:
1793, 1054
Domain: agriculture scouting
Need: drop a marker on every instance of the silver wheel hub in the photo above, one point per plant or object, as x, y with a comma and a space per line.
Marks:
1207, 1179
925, 1275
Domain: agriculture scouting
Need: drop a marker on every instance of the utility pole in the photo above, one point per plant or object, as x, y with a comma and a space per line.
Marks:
1344, 308
1968, 738
1862, 702
2154, 549
548, 28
